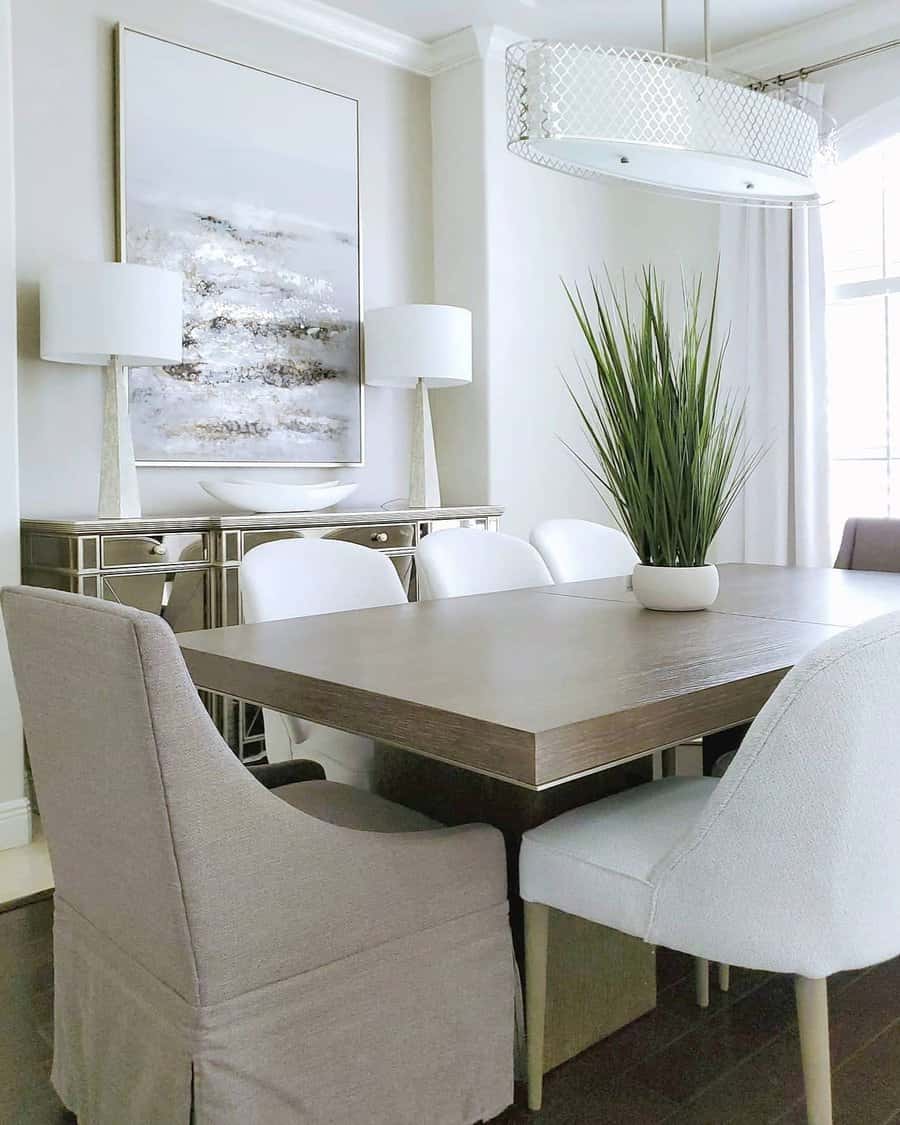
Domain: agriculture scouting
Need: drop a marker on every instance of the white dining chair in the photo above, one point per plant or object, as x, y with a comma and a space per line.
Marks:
303, 578
787, 864
578, 550
461, 561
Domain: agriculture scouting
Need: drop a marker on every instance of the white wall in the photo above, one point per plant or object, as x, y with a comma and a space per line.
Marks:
66, 192
15, 821
460, 276
550, 227
539, 226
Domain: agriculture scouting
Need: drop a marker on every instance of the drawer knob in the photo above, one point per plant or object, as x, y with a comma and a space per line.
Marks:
380, 537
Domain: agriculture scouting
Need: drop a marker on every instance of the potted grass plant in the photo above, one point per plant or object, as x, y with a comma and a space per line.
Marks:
667, 443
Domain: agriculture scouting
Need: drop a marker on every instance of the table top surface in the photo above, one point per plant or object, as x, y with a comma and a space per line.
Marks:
541, 685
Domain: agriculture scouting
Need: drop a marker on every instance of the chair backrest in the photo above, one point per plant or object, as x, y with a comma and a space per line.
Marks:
870, 544
112, 722
793, 864
305, 577
577, 550
460, 561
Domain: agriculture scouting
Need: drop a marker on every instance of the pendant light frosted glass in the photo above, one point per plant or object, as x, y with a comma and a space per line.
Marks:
664, 122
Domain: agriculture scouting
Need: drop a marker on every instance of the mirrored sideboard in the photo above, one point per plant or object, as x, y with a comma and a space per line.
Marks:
186, 568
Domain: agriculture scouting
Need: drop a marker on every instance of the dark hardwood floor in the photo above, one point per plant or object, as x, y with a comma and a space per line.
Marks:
736, 1064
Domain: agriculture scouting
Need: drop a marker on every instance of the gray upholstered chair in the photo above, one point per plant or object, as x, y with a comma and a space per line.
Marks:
870, 544
225, 954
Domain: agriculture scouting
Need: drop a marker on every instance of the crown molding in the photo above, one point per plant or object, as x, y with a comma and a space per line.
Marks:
341, 29
318, 20
455, 50
469, 44
847, 29
499, 38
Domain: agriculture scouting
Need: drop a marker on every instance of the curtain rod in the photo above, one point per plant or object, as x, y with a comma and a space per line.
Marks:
805, 71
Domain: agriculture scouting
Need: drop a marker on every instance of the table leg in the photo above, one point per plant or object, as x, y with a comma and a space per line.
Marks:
598, 980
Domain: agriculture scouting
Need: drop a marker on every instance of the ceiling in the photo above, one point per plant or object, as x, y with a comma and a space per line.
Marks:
617, 22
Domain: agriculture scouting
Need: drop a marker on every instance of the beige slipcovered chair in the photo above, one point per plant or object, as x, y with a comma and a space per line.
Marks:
227, 955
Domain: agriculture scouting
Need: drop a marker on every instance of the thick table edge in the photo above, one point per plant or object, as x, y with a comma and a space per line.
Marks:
562, 754
378, 717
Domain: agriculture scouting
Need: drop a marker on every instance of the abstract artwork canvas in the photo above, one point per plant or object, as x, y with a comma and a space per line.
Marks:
246, 182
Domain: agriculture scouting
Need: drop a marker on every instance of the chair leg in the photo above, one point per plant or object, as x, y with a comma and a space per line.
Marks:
724, 978
812, 1012
701, 979
537, 919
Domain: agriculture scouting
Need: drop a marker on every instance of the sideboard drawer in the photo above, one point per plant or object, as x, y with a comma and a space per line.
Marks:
385, 537
153, 550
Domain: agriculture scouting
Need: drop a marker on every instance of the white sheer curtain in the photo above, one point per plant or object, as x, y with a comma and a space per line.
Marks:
772, 291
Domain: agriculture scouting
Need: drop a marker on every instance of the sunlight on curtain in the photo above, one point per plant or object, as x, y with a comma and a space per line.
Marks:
862, 248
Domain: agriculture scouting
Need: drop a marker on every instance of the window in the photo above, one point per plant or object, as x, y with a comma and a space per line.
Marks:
862, 243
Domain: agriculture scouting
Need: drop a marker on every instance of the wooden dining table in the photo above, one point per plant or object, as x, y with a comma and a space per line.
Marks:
512, 707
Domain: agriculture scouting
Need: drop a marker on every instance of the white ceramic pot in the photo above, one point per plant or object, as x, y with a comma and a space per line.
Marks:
675, 587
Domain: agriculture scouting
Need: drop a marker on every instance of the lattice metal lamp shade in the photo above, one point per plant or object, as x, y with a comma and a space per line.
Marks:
663, 121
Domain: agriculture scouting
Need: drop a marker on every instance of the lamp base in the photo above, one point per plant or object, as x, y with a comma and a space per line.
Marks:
424, 486
119, 496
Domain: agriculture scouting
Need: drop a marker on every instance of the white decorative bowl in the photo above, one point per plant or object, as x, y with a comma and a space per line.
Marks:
675, 587
266, 496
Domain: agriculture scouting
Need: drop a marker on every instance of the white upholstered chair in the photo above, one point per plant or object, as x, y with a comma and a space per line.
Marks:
303, 578
577, 550
787, 864
461, 561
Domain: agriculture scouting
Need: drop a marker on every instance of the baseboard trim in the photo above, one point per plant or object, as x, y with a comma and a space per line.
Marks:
15, 823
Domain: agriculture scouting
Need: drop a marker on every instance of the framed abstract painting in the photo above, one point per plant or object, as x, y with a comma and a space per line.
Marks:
248, 183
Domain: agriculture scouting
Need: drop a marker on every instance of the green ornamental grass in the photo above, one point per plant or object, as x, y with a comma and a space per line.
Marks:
668, 442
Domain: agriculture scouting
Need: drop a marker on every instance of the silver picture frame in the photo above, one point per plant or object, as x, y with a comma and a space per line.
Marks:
122, 31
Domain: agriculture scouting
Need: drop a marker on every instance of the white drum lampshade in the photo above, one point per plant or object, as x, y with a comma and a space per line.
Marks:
421, 346
114, 315
97, 312
406, 343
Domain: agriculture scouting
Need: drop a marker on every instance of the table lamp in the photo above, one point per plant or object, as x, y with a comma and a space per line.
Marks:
115, 315
421, 346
